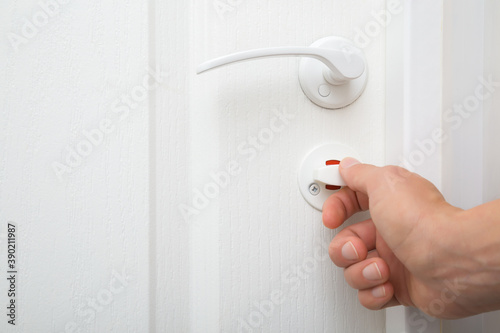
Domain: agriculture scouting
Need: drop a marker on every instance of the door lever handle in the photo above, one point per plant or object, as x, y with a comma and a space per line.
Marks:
344, 66
333, 73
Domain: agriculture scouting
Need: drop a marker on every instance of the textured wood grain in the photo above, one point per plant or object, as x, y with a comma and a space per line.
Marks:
77, 234
257, 237
170, 122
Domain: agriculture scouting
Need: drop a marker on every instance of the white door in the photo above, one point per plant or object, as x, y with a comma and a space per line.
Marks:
251, 253
74, 158
112, 151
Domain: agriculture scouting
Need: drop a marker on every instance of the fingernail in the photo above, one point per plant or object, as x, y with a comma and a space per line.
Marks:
349, 251
371, 272
378, 292
348, 162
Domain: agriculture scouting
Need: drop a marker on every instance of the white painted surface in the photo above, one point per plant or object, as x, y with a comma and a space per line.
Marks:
463, 121
119, 210
74, 235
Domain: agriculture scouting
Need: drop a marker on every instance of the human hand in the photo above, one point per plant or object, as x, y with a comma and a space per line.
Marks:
416, 249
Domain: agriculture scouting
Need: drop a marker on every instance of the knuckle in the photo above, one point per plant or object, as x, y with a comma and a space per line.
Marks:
394, 175
395, 170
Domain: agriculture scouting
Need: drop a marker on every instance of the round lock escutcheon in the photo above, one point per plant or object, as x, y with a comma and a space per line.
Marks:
316, 177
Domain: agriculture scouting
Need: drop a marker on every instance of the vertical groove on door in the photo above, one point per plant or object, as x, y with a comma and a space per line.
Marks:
172, 184
153, 262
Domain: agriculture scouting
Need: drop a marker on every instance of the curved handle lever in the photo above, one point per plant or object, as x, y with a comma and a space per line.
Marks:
332, 73
346, 64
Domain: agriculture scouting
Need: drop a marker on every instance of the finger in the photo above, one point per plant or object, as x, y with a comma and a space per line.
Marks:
378, 297
342, 205
367, 179
396, 195
359, 177
352, 244
367, 273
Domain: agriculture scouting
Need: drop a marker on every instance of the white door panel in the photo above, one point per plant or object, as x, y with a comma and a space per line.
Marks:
82, 255
257, 252
103, 243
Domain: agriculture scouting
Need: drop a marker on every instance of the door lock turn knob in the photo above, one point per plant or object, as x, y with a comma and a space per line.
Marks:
317, 177
329, 175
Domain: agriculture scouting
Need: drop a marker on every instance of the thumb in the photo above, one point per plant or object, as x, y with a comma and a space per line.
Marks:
359, 177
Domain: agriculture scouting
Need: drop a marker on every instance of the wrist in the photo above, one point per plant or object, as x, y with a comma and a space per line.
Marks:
475, 244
